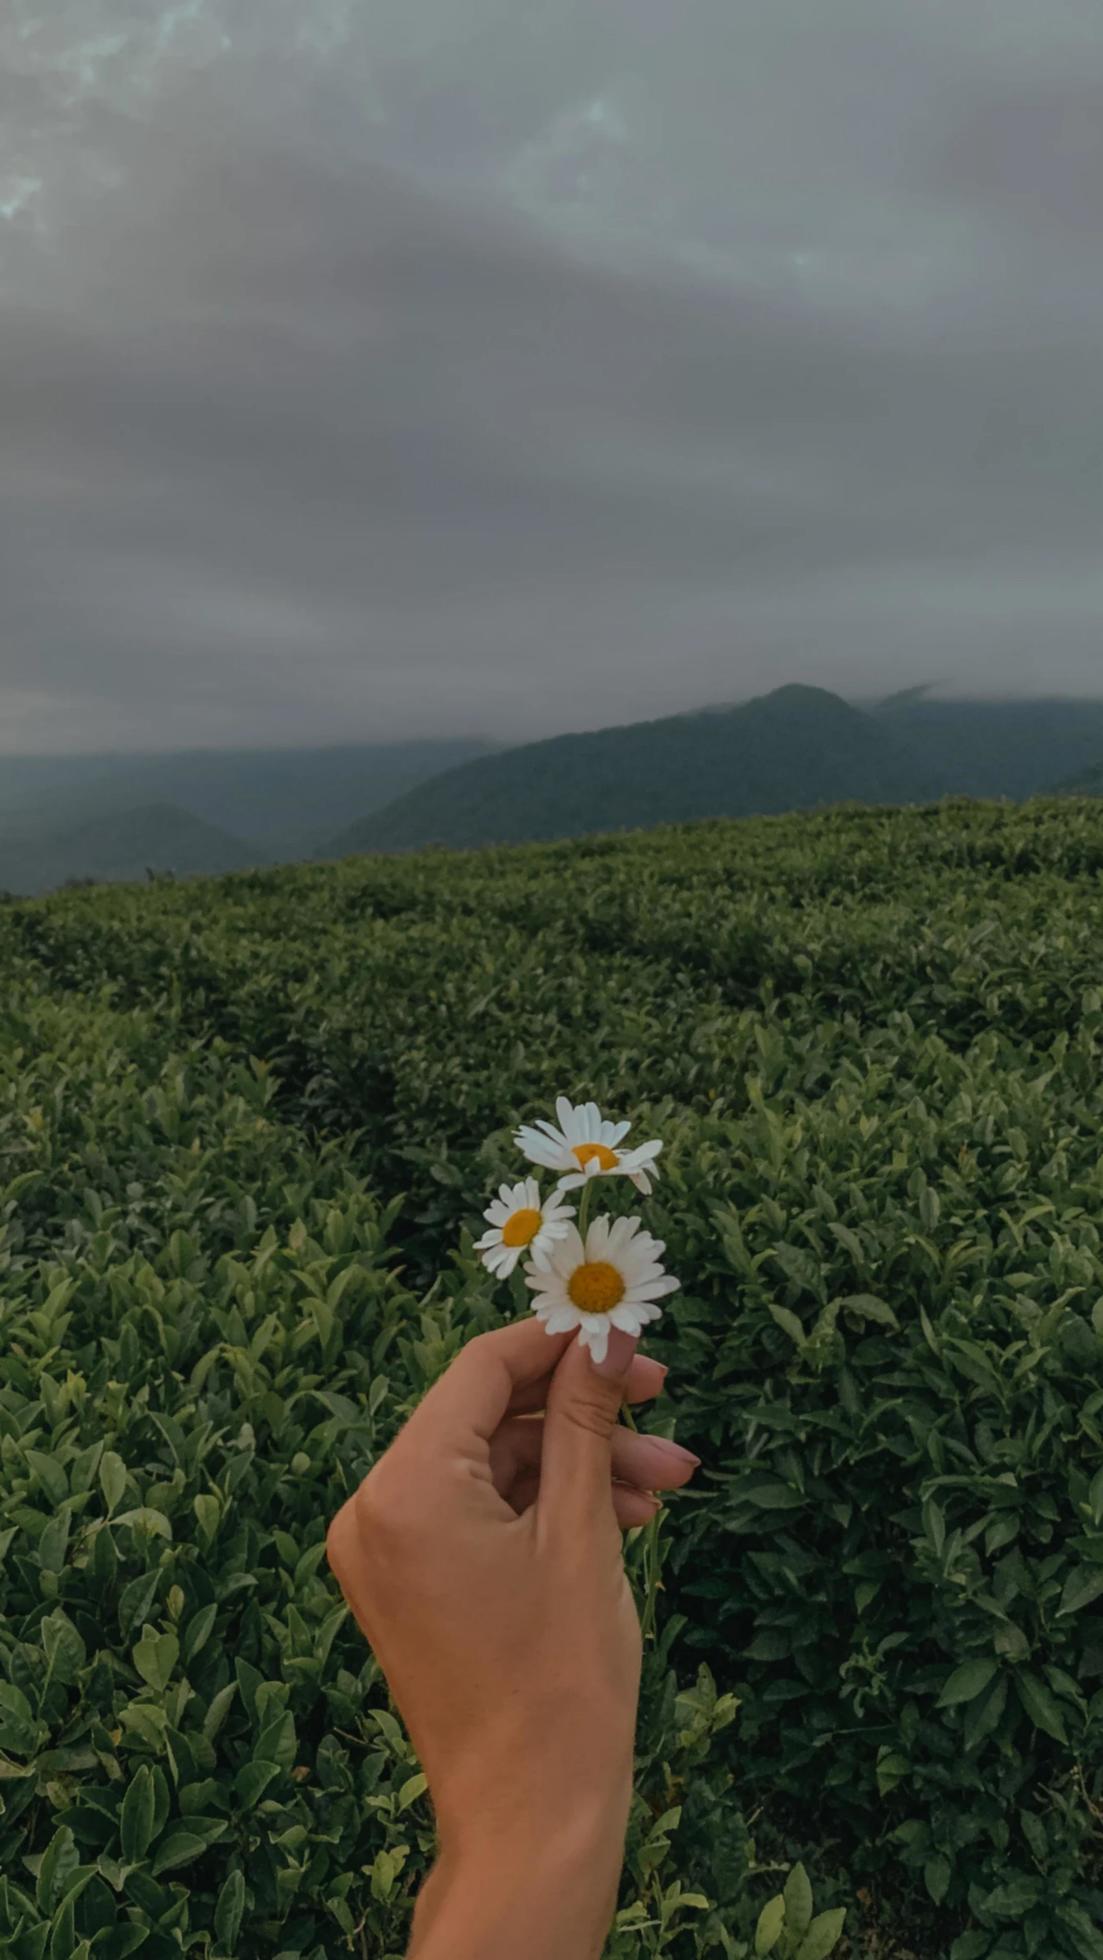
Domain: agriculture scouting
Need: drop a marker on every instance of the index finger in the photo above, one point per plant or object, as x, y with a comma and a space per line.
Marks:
475, 1394
507, 1372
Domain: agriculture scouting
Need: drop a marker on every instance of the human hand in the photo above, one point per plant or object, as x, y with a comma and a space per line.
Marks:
481, 1558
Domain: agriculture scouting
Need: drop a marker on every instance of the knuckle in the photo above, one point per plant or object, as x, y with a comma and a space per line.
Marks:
592, 1413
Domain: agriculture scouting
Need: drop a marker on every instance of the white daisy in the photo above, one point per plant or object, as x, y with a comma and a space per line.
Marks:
586, 1146
519, 1223
614, 1280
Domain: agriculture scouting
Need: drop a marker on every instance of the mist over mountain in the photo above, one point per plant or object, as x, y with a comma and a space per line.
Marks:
117, 846
285, 801
114, 816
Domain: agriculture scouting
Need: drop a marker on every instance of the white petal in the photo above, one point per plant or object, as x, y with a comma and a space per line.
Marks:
591, 1122
598, 1238
614, 1133
626, 1317
620, 1234
594, 1333
565, 1110
560, 1319
550, 1155
655, 1289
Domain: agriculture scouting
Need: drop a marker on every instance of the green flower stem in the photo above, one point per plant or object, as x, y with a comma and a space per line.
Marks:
651, 1556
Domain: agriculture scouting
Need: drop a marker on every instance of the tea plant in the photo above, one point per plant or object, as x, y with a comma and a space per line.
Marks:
240, 1127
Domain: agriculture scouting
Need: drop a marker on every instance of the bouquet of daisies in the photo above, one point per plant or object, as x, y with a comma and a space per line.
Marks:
593, 1277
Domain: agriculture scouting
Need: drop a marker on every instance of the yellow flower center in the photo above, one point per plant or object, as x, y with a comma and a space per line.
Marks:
586, 1153
596, 1287
522, 1228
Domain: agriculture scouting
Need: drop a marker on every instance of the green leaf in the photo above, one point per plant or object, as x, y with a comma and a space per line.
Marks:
1081, 1588
62, 1646
198, 1631
1014, 1898
1084, 1936
49, 1474
1041, 1706
823, 1935
252, 1780
936, 1876
229, 1910
967, 1682
155, 1656
218, 1710
772, 1495
797, 1897
136, 1816
18, 1728
59, 1862
112, 1479
789, 1323
771, 1921
413, 1788
182, 1847
868, 1307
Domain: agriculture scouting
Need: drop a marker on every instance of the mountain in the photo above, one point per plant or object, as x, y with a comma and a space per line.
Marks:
1087, 782
789, 750
116, 846
997, 748
283, 802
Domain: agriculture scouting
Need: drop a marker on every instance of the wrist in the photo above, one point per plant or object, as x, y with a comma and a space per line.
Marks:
514, 1881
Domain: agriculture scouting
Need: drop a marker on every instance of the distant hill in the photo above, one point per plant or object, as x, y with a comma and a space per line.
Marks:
1087, 782
789, 750
283, 802
114, 847
997, 748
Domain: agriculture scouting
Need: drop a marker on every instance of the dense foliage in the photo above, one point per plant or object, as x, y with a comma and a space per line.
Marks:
244, 1134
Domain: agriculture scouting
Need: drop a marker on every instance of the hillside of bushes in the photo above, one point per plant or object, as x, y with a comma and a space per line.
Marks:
246, 1128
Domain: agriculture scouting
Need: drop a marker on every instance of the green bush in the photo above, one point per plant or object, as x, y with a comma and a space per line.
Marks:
245, 1129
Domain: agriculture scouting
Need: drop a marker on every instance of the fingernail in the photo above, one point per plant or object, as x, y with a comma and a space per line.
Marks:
675, 1451
618, 1354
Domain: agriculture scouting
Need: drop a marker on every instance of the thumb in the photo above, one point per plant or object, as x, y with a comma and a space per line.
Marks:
584, 1401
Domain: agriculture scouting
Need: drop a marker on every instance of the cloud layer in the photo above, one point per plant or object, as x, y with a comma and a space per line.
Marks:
449, 368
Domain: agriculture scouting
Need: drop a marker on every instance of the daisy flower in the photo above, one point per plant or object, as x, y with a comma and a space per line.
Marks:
585, 1146
520, 1222
613, 1280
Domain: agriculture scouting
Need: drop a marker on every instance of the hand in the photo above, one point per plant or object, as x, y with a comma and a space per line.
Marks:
481, 1558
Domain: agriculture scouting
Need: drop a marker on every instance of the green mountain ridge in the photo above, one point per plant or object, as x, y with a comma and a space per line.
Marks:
793, 749
796, 748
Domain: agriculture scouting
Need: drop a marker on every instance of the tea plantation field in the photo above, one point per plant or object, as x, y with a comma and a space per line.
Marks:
246, 1129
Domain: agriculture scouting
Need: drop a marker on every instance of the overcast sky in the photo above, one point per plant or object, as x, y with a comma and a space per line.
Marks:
401, 367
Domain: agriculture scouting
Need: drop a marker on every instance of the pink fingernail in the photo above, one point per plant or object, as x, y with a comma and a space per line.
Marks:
618, 1354
675, 1450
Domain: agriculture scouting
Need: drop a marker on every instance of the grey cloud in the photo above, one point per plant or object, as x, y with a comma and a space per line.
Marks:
384, 378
